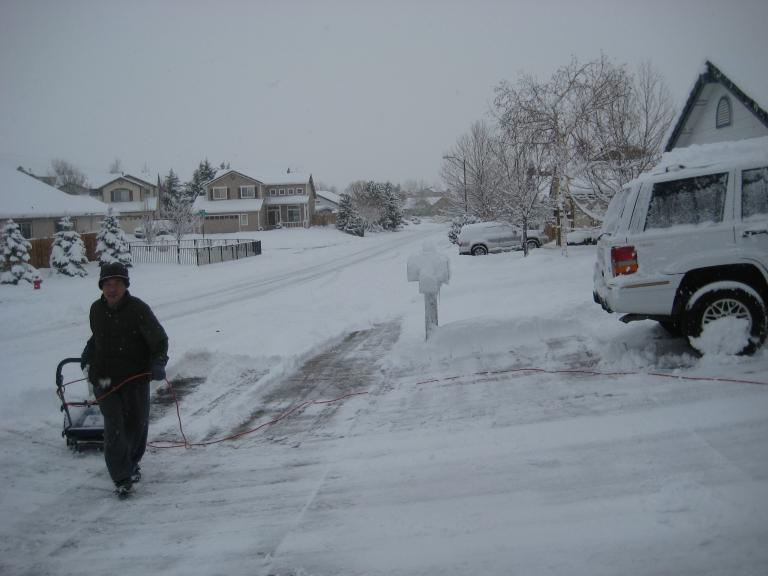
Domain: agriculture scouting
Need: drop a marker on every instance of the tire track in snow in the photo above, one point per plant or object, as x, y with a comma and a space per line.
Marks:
235, 294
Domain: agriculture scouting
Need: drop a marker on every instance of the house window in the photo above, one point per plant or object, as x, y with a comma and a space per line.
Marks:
299, 190
282, 191
58, 227
25, 227
219, 193
723, 113
290, 191
120, 195
272, 192
243, 219
293, 214
247, 191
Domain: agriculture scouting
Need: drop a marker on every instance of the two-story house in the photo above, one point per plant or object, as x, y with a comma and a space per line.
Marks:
133, 198
236, 201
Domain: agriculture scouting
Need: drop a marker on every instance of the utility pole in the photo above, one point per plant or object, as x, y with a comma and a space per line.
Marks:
464, 169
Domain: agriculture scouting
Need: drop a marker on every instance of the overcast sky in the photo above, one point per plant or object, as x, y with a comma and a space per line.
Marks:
345, 90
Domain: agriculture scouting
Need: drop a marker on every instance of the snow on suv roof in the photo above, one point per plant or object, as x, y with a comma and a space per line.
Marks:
702, 155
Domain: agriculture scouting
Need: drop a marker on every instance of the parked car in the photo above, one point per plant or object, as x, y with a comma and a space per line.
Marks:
161, 228
484, 237
688, 246
582, 236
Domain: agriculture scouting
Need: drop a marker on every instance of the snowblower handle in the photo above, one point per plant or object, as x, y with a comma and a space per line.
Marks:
59, 377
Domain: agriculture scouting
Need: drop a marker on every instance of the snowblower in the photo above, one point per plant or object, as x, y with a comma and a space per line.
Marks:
83, 422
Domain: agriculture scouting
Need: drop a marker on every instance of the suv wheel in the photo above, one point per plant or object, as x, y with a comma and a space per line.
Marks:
735, 301
479, 250
532, 244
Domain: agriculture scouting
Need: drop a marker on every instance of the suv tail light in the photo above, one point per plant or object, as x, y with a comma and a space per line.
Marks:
623, 260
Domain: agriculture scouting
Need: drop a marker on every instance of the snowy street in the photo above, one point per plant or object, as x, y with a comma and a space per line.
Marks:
506, 444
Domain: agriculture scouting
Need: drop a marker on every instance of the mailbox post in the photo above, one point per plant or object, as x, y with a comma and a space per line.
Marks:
430, 270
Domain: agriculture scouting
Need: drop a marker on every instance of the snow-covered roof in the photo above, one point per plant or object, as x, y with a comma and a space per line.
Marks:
138, 206
713, 154
411, 203
227, 206
22, 196
266, 177
330, 196
100, 179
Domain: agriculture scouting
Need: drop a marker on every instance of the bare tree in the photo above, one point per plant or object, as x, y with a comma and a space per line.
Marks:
624, 139
552, 113
66, 173
116, 167
521, 199
471, 173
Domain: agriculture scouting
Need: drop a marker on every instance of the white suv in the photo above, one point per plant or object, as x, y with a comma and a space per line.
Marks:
687, 245
484, 237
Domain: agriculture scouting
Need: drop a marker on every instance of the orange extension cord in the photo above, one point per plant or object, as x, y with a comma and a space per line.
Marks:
187, 444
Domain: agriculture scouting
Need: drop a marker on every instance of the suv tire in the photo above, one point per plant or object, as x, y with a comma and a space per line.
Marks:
479, 250
737, 300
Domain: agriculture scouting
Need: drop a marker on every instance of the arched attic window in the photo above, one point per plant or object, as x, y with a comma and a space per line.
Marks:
723, 118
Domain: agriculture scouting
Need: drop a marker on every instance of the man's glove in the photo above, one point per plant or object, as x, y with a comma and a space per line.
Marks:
158, 371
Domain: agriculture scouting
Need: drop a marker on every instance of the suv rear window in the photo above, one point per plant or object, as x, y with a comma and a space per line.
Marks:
688, 201
754, 192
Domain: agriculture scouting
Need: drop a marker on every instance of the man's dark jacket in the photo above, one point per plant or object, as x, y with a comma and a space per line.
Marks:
126, 340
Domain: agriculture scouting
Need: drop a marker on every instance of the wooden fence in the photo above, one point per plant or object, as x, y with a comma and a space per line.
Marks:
40, 254
324, 219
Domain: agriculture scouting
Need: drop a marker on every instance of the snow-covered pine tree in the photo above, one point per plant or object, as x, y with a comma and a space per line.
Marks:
347, 219
202, 174
111, 243
171, 189
14, 249
68, 251
393, 209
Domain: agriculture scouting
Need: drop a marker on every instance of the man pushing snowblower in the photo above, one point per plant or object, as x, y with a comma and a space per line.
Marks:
127, 348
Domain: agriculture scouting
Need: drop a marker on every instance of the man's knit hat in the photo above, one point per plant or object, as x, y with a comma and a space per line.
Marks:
114, 270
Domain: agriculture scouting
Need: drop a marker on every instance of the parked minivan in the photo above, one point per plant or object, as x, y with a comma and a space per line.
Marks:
687, 245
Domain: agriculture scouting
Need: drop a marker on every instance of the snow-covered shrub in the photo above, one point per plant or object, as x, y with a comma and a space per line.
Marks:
68, 251
14, 249
111, 242
458, 223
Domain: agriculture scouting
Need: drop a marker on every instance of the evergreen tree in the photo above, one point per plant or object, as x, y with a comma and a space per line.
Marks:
14, 249
377, 204
347, 218
68, 251
111, 242
203, 173
171, 189
393, 209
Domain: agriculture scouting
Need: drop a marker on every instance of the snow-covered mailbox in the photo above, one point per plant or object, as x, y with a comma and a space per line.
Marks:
431, 270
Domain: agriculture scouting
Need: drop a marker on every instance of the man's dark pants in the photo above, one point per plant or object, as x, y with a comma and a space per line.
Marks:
126, 424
